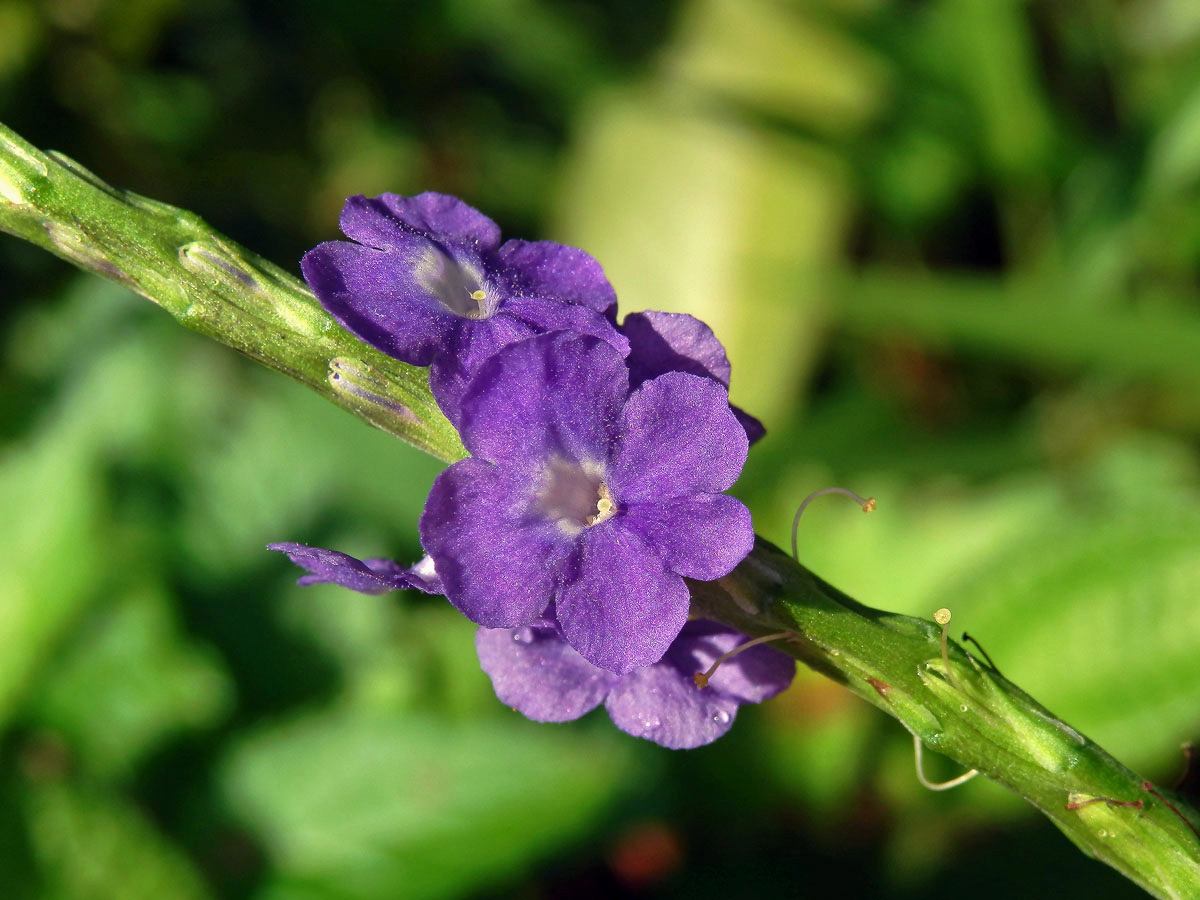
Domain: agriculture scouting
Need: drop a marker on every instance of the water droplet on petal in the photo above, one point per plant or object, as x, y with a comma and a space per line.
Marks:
721, 717
523, 635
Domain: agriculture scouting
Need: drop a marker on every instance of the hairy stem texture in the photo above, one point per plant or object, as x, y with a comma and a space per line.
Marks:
214, 286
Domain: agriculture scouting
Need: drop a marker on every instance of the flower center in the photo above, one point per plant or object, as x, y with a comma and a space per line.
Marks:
573, 495
457, 286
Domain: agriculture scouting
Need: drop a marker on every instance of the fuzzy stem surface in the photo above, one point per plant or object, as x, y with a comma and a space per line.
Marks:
215, 286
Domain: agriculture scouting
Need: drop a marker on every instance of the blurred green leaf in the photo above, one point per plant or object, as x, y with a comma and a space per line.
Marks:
987, 50
396, 651
21, 32
91, 845
1173, 162
1030, 322
49, 554
361, 807
127, 680
781, 59
286, 454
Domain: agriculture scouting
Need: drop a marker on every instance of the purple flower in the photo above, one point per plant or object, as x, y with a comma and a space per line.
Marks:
429, 283
662, 342
537, 673
367, 576
583, 493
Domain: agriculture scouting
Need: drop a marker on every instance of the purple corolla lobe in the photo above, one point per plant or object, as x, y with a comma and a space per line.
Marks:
536, 672
662, 342
583, 493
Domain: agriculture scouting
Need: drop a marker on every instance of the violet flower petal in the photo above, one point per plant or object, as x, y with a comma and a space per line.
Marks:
661, 342
623, 607
536, 672
678, 437
382, 221
498, 565
545, 314
376, 296
450, 374
755, 429
556, 270
700, 536
520, 318
658, 704
368, 576
752, 676
556, 394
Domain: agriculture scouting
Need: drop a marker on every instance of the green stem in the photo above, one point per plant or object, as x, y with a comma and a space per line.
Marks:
955, 705
969, 712
215, 286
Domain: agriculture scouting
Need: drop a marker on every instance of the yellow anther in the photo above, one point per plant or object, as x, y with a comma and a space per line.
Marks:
478, 296
942, 616
605, 507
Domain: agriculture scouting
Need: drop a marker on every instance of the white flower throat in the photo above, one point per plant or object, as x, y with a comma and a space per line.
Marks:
573, 495
458, 286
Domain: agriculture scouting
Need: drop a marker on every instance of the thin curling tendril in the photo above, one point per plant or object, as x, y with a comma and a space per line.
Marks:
937, 785
701, 678
867, 504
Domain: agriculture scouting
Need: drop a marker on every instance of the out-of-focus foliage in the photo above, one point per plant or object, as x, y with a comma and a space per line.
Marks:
952, 249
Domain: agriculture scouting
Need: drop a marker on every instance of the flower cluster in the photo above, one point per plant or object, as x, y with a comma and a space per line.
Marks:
599, 457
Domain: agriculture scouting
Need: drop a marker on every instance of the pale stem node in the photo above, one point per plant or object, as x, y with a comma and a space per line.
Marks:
937, 785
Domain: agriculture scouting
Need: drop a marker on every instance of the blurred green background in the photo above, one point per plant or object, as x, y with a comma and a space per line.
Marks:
952, 248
